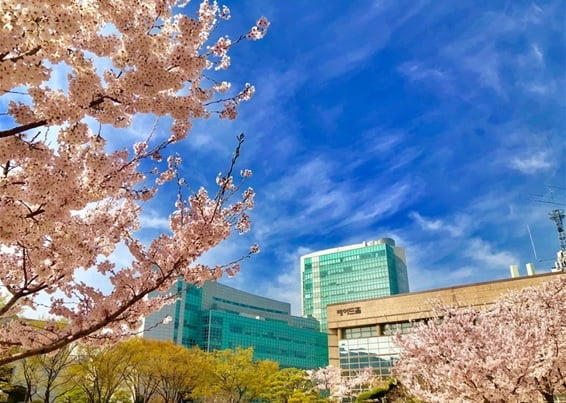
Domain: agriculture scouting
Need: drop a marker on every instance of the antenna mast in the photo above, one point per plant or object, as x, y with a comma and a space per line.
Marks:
556, 215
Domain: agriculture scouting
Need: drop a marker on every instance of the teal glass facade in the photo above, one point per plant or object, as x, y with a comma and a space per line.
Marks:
367, 270
218, 317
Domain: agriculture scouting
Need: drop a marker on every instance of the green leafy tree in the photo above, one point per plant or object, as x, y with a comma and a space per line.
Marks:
29, 374
46, 375
73, 395
142, 379
237, 377
100, 372
290, 385
388, 391
181, 372
162, 371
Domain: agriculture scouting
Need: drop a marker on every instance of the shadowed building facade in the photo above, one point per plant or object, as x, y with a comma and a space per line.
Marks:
218, 317
349, 273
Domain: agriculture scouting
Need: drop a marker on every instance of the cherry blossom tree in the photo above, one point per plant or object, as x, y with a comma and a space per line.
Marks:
514, 350
340, 385
67, 200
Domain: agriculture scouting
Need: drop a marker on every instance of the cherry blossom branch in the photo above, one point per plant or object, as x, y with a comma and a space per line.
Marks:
66, 203
110, 318
20, 129
13, 92
14, 59
225, 180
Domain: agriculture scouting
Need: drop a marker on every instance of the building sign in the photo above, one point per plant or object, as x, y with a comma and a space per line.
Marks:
349, 311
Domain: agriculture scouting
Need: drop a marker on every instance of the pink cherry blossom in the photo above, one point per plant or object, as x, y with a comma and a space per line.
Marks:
339, 384
511, 351
66, 204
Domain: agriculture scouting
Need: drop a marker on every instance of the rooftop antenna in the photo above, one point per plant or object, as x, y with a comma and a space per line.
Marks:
556, 215
533, 246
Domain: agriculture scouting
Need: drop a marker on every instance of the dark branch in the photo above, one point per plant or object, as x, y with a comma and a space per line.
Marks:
222, 191
14, 59
112, 317
20, 129
35, 212
101, 99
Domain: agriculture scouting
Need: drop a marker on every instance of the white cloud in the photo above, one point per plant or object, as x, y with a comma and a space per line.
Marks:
539, 56
541, 88
532, 163
456, 229
348, 61
152, 219
316, 195
425, 279
377, 24
391, 200
286, 286
482, 251
417, 72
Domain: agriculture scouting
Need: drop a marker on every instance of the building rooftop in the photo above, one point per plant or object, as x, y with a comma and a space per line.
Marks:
387, 241
458, 287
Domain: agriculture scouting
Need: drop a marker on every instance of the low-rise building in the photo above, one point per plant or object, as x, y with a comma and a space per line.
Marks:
361, 333
218, 317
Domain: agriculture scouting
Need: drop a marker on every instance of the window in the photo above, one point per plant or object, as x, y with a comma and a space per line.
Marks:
400, 327
360, 332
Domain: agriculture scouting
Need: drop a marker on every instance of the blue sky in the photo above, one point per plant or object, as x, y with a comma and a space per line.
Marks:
430, 122
433, 123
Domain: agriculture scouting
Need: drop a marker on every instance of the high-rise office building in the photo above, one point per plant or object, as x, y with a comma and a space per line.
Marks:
218, 317
349, 273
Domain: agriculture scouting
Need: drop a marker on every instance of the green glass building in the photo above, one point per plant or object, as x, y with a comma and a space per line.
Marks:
218, 317
350, 273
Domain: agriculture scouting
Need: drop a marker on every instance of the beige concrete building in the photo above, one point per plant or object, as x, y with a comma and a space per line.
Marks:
361, 333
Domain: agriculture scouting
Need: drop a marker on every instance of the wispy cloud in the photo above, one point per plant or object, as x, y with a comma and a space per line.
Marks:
531, 164
316, 195
373, 207
286, 286
483, 252
537, 52
416, 72
152, 219
456, 229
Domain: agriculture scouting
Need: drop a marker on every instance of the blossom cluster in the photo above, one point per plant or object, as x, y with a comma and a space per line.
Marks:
153, 56
513, 350
339, 385
66, 205
259, 30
